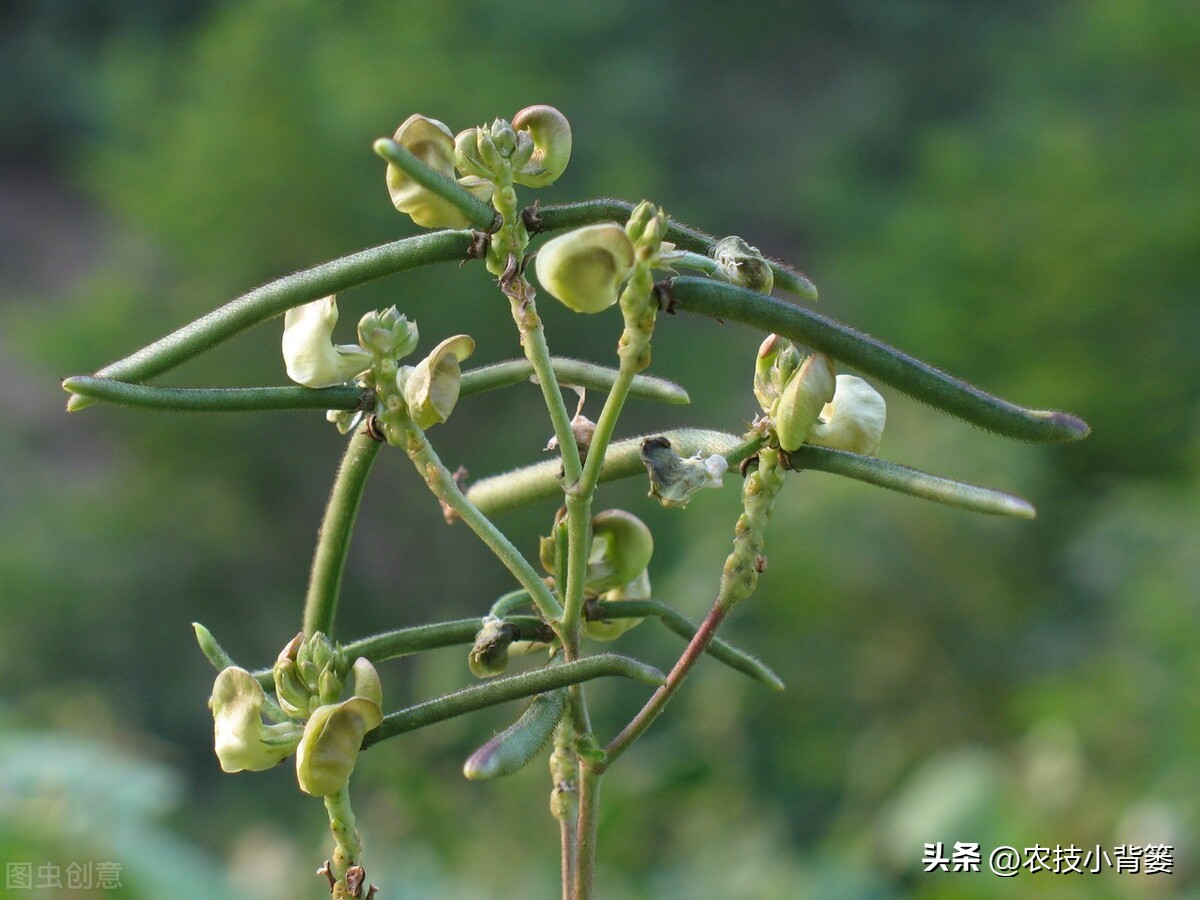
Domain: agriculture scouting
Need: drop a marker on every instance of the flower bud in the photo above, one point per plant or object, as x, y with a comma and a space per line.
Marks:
503, 137
853, 420
646, 228
584, 268
551, 134
523, 152
489, 656
431, 142
431, 388
242, 741
674, 479
311, 357
800, 404
621, 549
775, 364
328, 751
388, 333
743, 265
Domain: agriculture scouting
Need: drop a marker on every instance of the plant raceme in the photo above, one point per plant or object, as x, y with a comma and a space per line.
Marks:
321, 700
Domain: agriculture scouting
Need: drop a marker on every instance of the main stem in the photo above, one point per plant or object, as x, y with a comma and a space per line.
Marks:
333, 540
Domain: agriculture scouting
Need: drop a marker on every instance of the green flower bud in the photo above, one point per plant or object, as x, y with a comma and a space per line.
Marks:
774, 366
611, 629
646, 228
674, 479
431, 142
743, 265
311, 357
487, 150
551, 135
853, 420
328, 751
523, 152
388, 333
621, 549
242, 740
329, 686
489, 656
584, 268
800, 404
431, 388
503, 137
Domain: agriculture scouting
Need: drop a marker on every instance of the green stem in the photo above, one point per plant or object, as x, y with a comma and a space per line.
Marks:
444, 487
570, 372
178, 399
511, 687
564, 799
407, 641
349, 397
874, 358
506, 603
521, 298
477, 212
557, 216
675, 621
739, 579
347, 847
658, 701
272, 299
914, 482
333, 540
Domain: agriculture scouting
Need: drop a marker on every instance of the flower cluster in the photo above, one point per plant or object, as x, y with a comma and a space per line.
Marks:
807, 403
324, 732
532, 150
429, 389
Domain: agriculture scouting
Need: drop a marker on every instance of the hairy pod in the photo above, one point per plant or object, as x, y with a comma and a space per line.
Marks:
512, 749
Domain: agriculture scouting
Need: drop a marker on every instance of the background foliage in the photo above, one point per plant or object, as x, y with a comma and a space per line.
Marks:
1006, 189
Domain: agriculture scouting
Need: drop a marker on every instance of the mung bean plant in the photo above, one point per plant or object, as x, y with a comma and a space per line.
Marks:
589, 580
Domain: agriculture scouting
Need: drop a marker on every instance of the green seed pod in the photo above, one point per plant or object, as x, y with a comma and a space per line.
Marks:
512, 749
853, 420
585, 268
621, 549
551, 134
433, 143
431, 388
800, 404
743, 265
328, 751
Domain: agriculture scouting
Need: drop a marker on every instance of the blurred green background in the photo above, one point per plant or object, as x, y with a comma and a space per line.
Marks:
1008, 190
